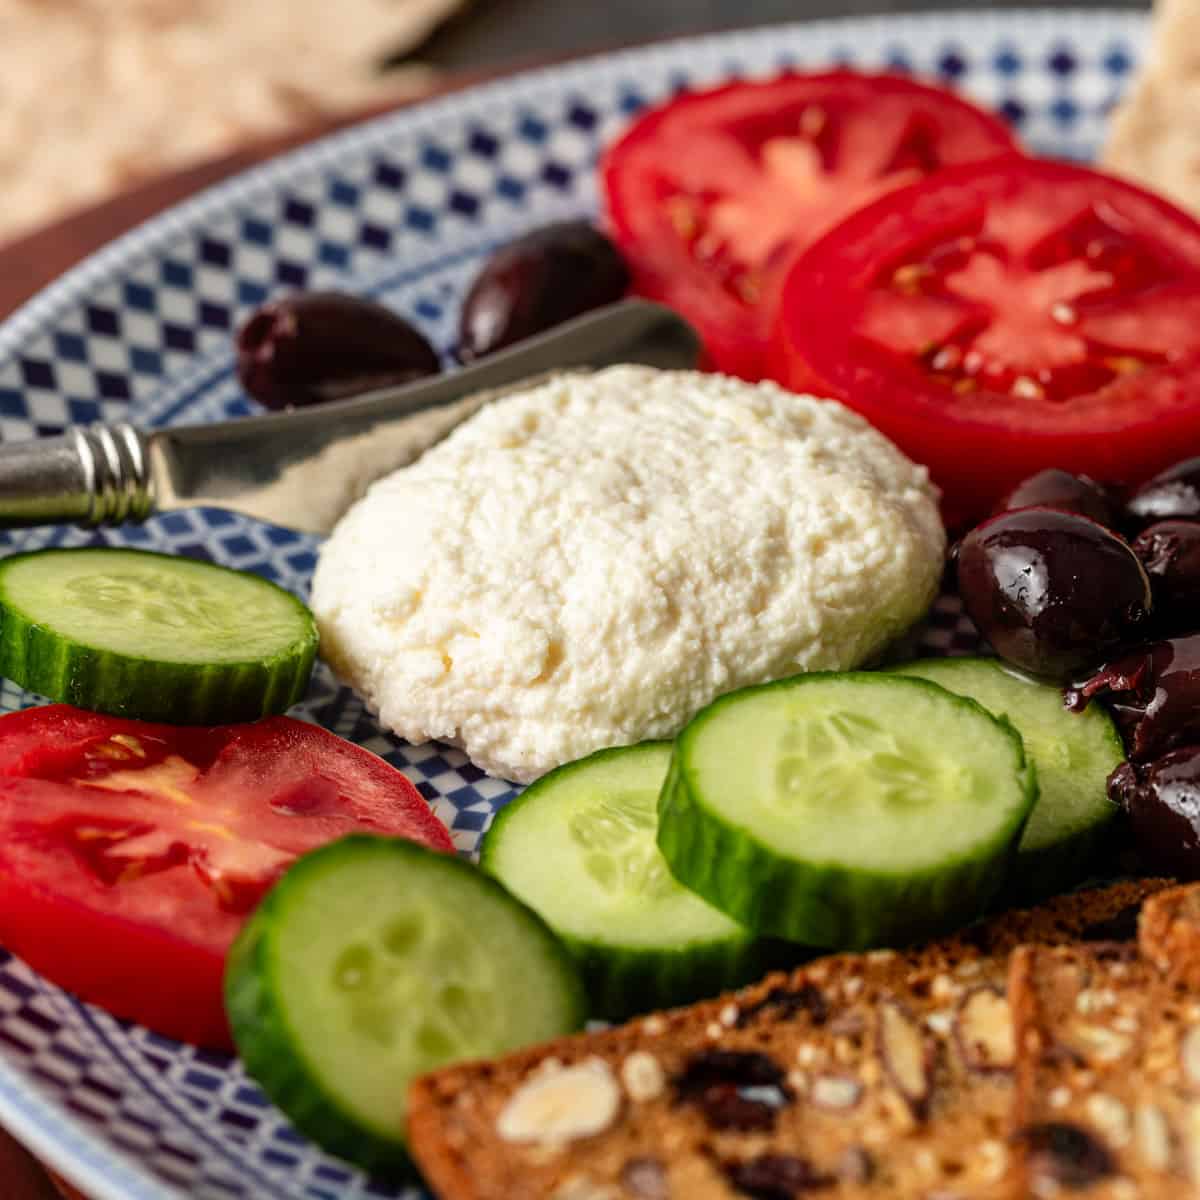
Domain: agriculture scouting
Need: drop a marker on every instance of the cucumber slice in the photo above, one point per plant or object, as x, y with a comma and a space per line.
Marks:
1074, 753
152, 636
578, 847
845, 810
373, 961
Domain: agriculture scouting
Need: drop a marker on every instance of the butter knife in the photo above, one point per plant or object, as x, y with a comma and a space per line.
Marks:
304, 467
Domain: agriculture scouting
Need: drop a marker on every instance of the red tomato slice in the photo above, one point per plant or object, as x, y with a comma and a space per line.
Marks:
131, 853
712, 195
1005, 317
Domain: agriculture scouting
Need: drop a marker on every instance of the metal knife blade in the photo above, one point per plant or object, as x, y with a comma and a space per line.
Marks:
304, 468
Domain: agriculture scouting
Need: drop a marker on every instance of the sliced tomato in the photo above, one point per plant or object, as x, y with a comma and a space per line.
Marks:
712, 195
1005, 317
131, 854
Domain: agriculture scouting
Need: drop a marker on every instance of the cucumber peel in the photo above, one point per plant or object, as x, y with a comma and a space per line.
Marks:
151, 636
375, 960
1074, 754
846, 809
578, 846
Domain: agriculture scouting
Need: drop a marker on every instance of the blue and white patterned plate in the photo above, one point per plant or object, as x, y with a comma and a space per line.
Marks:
404, 208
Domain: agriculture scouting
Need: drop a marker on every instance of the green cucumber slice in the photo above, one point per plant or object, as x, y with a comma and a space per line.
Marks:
374, 960
1074, 753
578, 847
845, 809
152, 636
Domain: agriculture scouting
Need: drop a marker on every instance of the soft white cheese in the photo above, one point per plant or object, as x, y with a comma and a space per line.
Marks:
589, 562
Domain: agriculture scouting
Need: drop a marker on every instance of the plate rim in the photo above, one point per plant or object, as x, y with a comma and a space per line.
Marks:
77, 1151
83, 1157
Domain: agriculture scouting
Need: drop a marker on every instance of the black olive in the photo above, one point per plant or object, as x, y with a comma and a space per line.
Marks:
1162, 799
1153, 693
537, 282
1171, 494
1170, 552
311, 347
1061, 490
1051, 591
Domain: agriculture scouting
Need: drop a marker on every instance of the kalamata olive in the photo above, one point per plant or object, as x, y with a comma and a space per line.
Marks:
1051, 591
538, 281
1162, 799
1173, 494
1153, 693
1053, 488
1170, 552
316, 346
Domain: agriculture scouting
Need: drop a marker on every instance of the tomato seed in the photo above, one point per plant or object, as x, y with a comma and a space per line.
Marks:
684, 217
948, 358
909, 277
812, 121
1027, 389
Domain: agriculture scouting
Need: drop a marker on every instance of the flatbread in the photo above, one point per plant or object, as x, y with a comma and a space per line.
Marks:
1154, 138
96, 95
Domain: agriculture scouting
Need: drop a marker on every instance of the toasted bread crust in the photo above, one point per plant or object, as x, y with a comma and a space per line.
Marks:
1101, 1100
892, 1068
1169, 933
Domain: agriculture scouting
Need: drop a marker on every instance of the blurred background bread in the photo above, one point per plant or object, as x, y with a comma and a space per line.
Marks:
1154, 137
96, 95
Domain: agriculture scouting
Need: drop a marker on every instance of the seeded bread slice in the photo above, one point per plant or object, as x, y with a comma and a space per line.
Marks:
885, 1074
1106, 1071
1169, 934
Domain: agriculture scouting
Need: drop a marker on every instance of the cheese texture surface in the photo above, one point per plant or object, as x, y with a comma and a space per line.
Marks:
589, 562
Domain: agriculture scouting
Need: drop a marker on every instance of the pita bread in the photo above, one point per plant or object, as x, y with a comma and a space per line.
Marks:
1154, 138
96, 95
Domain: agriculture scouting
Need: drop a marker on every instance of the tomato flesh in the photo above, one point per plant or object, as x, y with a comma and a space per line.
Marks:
713, 195
132, 853
1005, 317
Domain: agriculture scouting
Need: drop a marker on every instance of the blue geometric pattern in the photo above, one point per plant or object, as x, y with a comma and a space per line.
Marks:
404, 208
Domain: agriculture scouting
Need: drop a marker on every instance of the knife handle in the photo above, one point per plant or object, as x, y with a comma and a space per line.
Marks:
98, 475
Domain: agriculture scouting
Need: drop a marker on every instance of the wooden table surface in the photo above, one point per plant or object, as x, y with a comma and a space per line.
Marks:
31, 262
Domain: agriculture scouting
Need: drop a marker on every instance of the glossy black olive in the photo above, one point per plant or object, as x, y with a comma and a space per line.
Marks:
1053, 488
1170, 552
1162, 799
537, 282
1051, 591
1173, 494
312, 347
1153, 693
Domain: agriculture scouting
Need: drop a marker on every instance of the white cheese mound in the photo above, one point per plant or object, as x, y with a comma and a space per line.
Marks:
589, 562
